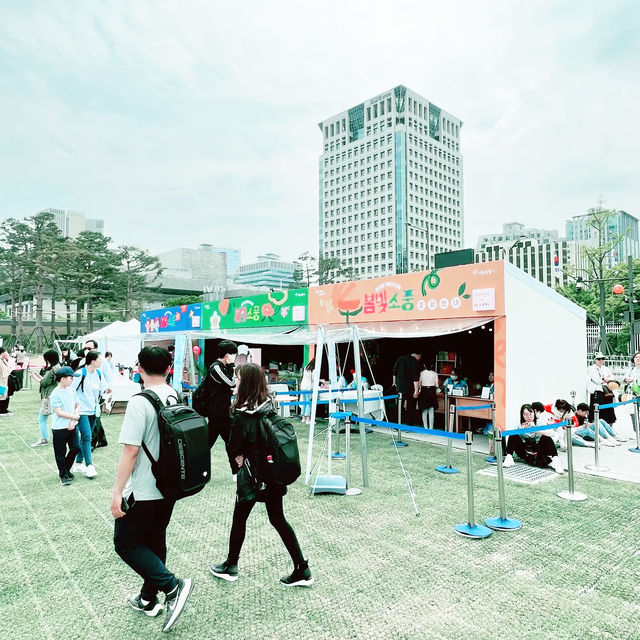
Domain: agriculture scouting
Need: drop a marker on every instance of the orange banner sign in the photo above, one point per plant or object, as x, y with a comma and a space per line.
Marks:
464, 291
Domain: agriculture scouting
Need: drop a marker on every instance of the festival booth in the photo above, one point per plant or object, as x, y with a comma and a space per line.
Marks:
121, 338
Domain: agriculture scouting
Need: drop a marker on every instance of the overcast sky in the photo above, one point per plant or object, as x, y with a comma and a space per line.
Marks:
186, 122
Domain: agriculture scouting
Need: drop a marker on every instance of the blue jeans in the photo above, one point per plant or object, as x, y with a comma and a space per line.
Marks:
587, 432
84, 429
44, 426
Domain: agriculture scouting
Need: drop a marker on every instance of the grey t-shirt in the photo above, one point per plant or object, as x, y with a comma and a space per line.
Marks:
141, 424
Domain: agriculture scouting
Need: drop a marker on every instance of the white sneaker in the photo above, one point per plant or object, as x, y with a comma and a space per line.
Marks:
556, 464
508, 461
609, 442
91, 471
620, 438
79, 467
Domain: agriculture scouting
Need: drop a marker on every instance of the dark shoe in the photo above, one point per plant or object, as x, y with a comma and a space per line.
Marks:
301, 576
225, 571
175, 601
65, 481
70, 475
101, 444
150, 607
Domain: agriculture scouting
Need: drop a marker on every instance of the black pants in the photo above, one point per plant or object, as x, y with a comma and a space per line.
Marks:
63, 438
140, 540
219, 426
276, 518
4, 405
409, 409
538, 454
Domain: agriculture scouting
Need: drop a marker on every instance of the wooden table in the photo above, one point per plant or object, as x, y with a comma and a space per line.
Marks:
470, 401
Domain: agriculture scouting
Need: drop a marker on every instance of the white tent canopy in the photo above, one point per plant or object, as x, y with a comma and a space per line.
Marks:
121, 338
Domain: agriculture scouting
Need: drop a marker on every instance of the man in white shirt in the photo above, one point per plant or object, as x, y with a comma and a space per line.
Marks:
142, 514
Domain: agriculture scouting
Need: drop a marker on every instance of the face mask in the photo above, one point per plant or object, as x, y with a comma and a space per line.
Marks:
454, 377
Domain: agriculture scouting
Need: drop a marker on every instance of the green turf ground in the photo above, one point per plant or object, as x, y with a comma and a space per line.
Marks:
380, 571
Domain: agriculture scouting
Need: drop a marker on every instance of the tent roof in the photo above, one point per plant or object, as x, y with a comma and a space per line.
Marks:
114, 330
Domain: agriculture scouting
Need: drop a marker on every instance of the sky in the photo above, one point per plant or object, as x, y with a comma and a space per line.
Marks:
196, 121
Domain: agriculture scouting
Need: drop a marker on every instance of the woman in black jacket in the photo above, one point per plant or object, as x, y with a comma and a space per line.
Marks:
250, 461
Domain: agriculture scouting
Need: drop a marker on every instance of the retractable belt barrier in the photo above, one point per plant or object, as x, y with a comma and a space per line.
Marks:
406, 427
473, 407
297, 403
302, 392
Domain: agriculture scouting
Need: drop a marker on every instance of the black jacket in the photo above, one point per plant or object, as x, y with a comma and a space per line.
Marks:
247, 439
222, 385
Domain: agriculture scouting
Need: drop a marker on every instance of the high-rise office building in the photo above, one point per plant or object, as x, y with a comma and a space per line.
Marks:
73, 223
268, 271
390, 184
620, 226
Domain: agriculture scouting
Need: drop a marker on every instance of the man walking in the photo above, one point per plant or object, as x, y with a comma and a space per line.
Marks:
406, 377
142, 513
221, 373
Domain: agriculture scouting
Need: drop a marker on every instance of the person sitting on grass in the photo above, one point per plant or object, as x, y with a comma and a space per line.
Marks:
535, 448
64, 408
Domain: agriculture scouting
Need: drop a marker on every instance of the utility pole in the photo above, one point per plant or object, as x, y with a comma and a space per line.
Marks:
604, 347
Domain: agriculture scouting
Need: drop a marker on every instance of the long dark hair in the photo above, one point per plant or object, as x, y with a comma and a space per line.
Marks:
312, 364
51, 358
252, 389
527, 407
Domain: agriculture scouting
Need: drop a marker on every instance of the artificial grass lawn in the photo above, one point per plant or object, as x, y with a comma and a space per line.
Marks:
380, 571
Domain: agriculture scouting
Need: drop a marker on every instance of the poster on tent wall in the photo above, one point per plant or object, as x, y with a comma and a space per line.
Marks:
276, 308
463, 291
182, 318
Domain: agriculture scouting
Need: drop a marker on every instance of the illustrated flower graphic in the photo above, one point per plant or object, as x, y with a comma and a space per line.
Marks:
342, 298
223, 306
349, 308
267, 310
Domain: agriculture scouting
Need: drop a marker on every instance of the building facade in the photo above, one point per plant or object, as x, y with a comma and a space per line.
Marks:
390, 185
197, 269
72, 223
513, 231
268, 271
621, 227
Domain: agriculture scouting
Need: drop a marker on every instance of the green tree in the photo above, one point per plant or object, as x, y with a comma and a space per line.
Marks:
180, 300
137, 270
312, 270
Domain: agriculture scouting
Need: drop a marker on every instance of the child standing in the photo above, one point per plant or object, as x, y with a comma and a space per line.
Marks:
64, 410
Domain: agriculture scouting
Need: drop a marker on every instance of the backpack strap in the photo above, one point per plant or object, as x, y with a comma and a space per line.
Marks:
156, 403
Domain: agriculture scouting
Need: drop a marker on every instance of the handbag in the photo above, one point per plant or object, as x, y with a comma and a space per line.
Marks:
45, 406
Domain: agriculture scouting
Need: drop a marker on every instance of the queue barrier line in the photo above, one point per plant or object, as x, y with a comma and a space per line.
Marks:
354, 400
308, 391
618, 404
517, 432
334, 401
406, 427
300, 403
473, 407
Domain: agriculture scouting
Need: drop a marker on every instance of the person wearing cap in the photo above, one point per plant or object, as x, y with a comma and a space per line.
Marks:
64, 410
599, 375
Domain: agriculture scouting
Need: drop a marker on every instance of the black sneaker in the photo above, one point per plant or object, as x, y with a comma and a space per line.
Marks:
150, 607
301, 576
70, 475
225, 571
175, 601
65, 481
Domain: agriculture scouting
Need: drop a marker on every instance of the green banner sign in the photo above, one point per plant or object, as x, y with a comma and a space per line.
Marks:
276, 308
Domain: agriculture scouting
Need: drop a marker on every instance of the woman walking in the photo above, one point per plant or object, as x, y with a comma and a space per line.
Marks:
306, 385
47, 380
250, 461
88, 387
6, 366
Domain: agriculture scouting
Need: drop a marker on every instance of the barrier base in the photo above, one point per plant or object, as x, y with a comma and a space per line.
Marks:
356, 430
634, 450
491, 459
399, 443
353, 492
475, 531
330, 484
338, 456
576, 496
503, 524
593, 467
444, 469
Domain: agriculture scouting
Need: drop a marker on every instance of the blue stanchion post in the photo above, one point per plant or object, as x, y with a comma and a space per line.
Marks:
470, 529
336, 455
636, 449
596, 425
501, 523
398, 442
447, 468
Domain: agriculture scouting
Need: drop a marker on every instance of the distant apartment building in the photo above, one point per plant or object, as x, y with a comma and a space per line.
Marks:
538, 252
620, 225
200, 269
72, 223
268, 271
390, 184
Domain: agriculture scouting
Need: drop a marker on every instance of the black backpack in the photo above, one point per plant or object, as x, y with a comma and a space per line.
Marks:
282, 464
202, 395
184, 464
